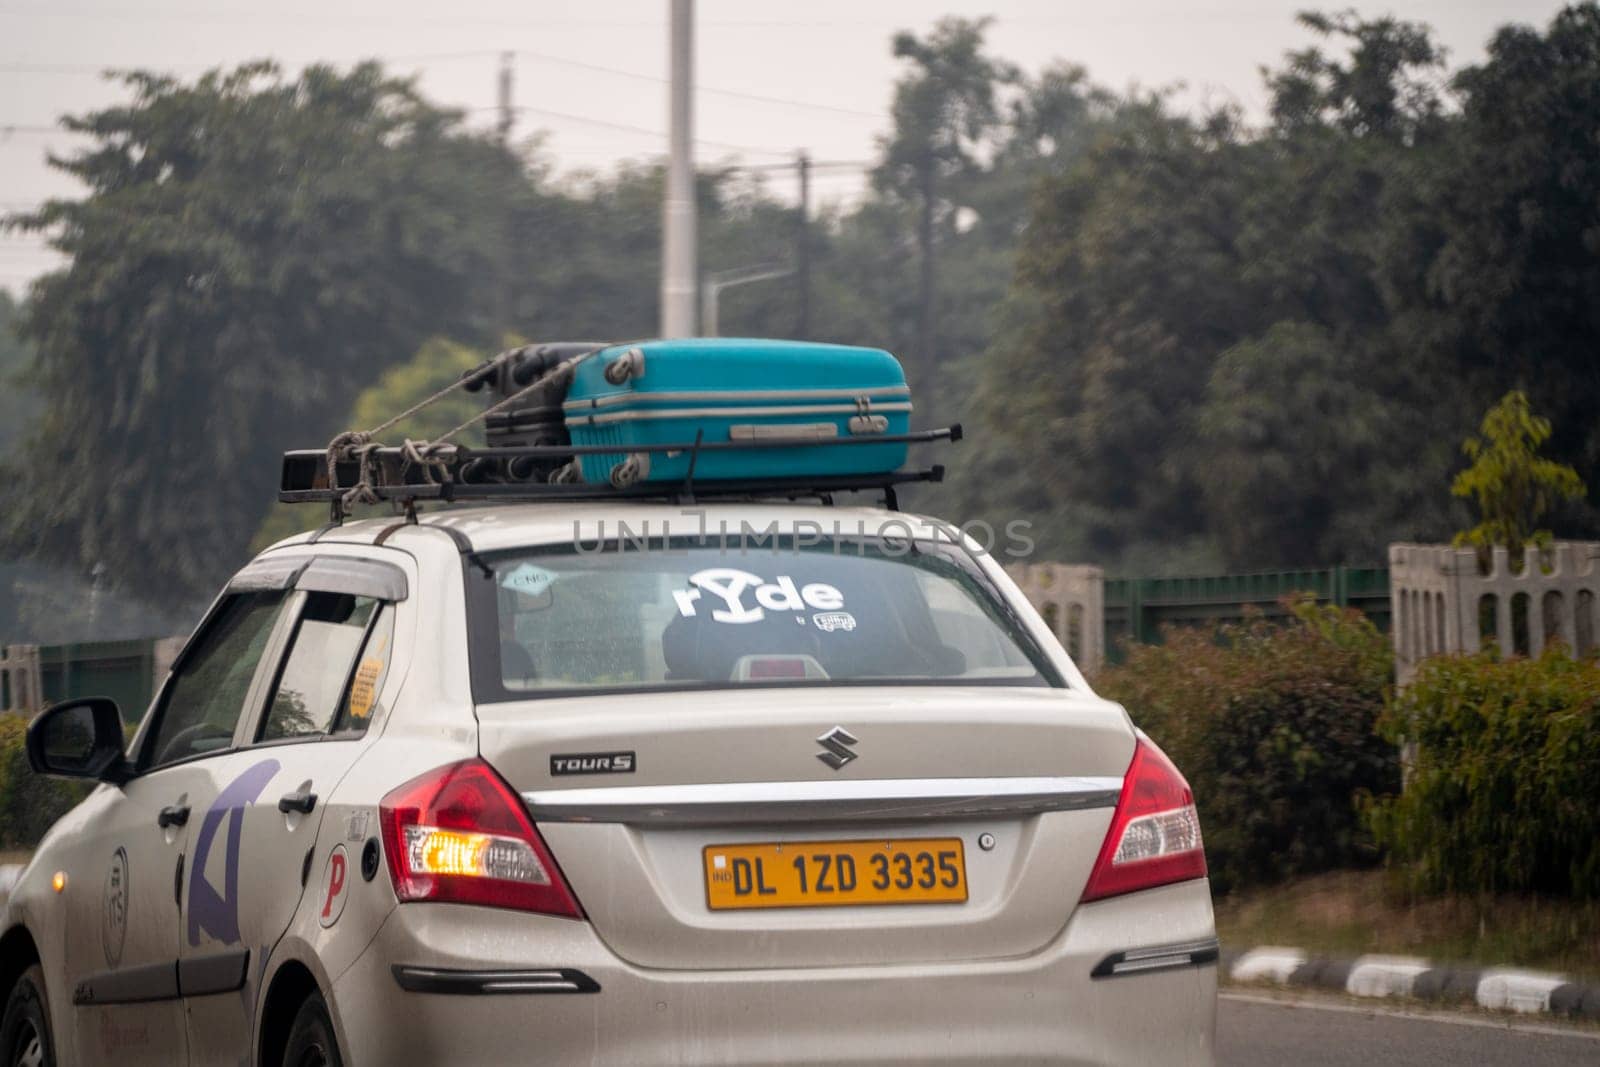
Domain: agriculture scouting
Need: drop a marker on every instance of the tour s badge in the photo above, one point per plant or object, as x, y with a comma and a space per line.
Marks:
737, 597
594, 763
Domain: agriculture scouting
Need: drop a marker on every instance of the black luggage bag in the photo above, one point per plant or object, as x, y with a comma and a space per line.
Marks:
535, 419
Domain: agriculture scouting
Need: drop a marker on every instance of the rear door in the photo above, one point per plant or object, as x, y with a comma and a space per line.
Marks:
252, 849
847, 753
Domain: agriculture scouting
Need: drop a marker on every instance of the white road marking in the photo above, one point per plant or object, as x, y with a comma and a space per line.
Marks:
1403, 1013
1268, 961
1384, 976
1504, 989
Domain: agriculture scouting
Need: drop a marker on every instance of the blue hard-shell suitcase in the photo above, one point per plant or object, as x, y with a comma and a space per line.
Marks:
729, 389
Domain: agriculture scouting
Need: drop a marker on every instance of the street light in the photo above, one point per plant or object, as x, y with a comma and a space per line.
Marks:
727, 279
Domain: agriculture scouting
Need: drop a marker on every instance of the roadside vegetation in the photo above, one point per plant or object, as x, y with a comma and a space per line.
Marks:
29, 804
1350, 913
1457, 818
1274, 726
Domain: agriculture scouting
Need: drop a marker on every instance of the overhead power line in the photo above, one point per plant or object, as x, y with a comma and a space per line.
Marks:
737, 94
27, 67
24, 67
836, 164
590, 120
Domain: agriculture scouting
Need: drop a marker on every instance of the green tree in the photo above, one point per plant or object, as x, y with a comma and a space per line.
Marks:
1195, 354
1510, 271
1300, 463
18, 403
251, 250
436, 364
1512, 485
946, 110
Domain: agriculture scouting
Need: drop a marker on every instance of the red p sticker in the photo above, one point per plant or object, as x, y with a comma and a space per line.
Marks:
334, 878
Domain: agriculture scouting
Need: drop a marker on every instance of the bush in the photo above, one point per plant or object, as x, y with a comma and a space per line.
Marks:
1274, 726
1503, 790
29, 803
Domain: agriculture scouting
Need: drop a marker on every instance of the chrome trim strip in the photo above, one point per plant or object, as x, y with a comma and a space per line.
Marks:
1158, 958
481, 983
882, 800
724, 395
731, 413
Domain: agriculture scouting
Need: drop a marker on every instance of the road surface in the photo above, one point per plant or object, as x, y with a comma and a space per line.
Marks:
1257, 1031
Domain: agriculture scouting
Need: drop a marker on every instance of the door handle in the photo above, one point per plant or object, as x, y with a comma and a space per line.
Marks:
301, 802
174, 815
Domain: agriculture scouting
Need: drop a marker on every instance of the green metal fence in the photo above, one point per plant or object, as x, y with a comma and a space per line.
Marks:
122, 670
1137, 608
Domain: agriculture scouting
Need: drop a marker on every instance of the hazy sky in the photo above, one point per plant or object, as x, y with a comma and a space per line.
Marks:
591, 73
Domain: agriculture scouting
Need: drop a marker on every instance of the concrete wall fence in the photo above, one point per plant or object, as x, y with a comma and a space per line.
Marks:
1449, 600
1071, 599
21, 687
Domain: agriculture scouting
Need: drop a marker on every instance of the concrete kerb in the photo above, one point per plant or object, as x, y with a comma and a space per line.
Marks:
1378, 976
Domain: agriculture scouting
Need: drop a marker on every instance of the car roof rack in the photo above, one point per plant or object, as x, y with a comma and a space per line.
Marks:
450, 473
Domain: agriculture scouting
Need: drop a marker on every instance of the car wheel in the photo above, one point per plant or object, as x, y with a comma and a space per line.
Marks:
311, 1040
25, 1027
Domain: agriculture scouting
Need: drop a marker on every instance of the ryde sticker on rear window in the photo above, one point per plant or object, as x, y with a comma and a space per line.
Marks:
593, 763
730, 586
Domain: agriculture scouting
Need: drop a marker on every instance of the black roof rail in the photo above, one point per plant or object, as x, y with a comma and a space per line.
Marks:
451, 474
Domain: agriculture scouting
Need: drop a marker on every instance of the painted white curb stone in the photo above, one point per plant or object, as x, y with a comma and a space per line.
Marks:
1520, 991
1384, 976
1267, 962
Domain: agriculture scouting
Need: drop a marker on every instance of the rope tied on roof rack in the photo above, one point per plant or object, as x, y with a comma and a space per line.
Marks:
359, 446
433, 457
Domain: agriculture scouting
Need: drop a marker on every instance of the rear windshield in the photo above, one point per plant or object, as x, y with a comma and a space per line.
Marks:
688, 614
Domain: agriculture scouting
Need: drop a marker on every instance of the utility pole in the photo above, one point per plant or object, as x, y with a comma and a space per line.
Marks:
925, 281
678, 267
802, 252
506, 110
505, 300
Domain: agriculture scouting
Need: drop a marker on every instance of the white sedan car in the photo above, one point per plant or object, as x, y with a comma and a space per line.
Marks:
614, 783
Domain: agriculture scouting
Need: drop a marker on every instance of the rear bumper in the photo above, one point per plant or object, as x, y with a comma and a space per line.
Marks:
1041, 1008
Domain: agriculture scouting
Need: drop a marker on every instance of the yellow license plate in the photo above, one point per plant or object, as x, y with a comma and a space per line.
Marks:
831, 874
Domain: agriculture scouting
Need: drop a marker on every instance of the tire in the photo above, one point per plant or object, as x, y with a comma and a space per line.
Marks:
25, 1027
311, 1041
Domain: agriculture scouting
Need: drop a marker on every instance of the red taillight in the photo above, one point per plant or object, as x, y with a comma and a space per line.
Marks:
460, 834
1155, 834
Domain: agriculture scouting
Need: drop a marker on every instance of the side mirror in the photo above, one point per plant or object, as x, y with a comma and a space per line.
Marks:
78, 739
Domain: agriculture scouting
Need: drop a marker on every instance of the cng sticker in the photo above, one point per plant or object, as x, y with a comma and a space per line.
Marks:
335, 882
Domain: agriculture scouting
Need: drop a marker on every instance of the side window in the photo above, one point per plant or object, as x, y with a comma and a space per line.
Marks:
360, 704
206, 697
333, 669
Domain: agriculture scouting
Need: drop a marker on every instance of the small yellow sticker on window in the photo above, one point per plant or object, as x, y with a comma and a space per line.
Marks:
364, 690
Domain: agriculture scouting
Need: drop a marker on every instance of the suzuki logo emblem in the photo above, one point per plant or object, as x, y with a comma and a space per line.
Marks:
835, 741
